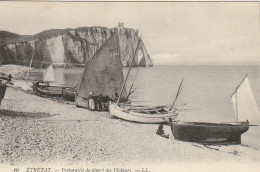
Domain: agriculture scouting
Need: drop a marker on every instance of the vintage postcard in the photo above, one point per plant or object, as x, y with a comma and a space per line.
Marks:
129, 86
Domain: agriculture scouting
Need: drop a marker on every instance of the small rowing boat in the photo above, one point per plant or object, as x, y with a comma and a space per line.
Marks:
150, 115
141, 114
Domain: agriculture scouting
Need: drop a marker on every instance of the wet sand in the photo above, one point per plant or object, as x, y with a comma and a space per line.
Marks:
45, 131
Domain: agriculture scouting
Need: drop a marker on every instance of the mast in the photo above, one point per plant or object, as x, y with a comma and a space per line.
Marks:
118, 44
132, 83
236, 108
42, 61
177, 95
128, 72
30, 66
130, 90
235, 92
239, 85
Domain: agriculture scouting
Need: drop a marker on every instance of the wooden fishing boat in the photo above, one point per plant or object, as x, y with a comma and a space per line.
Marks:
222, 133
45, 87
102, 78
209, 133
48, 90
152, 115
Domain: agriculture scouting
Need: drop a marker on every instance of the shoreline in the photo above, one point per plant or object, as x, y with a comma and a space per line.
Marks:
41, 130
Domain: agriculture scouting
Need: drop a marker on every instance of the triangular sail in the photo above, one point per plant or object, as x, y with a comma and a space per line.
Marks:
244, 103
103, 74
48, 75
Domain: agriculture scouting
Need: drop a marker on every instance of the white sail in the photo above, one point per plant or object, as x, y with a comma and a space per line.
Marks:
48, 75
244, 103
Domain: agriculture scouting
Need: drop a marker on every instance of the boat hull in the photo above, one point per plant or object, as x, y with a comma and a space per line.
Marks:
49, 91
118, 112
68, 94
80, 102
209, 133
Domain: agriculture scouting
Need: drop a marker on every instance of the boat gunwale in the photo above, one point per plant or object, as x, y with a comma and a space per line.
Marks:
168, 115
211, 124
42, 91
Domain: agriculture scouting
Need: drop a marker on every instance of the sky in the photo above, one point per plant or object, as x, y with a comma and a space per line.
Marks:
173, 32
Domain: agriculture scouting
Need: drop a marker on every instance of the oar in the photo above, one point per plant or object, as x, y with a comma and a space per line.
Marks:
177, 95
30, 66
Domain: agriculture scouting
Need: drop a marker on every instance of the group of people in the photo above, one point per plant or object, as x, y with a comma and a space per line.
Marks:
98, 103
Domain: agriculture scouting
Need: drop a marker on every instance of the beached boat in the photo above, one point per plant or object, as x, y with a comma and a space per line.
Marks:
209, 133
43, 85
140, 114
102, 78
45, 88
48, 90
152, 115
222, 133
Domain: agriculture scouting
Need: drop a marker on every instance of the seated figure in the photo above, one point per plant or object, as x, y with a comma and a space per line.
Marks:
160, 131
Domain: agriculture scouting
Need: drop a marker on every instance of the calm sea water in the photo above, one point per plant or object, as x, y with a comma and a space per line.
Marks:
206, 89
206, 93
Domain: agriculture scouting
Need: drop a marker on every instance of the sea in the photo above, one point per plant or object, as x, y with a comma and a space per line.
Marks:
205, 95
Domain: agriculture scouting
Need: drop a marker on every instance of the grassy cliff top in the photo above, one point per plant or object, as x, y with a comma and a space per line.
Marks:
11, 38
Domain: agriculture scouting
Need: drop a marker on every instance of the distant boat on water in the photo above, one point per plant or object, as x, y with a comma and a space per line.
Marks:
44, 86
246, 111
48, 75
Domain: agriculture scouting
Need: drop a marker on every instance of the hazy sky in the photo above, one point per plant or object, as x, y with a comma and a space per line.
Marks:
173, 32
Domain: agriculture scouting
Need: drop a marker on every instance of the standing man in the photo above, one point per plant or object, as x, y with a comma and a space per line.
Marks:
91, 101
9, 78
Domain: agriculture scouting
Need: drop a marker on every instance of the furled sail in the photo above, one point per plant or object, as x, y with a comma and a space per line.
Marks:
103, 74
48, 75
244, 103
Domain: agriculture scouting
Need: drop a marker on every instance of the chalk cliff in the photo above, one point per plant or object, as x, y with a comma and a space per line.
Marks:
69, 46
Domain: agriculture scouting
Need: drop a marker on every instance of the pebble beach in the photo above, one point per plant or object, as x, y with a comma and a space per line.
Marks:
38, 130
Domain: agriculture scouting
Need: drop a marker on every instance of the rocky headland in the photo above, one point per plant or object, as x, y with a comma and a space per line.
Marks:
69, 46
